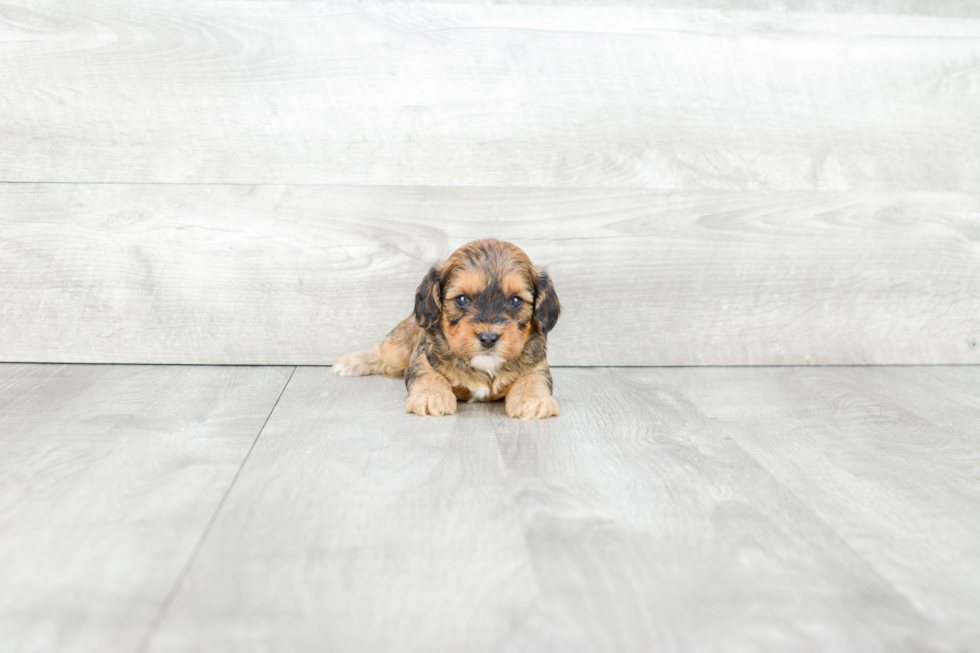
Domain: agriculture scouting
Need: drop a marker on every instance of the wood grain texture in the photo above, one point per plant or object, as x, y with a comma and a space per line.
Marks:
634, 522
301, 275
749, 509
493, 95
108, 477
886, 457
359, 528
949, 8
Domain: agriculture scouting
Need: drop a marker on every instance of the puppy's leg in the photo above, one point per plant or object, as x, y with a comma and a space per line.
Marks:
388, 357
530, 396
360, 363
429, 393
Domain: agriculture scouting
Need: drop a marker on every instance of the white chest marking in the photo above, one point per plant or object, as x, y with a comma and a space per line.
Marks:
479, 393
487, 363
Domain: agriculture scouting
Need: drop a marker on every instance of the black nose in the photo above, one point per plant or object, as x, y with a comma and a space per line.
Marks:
488, 338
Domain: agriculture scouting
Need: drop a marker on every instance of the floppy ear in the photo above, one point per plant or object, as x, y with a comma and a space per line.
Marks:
546, 306
428, 299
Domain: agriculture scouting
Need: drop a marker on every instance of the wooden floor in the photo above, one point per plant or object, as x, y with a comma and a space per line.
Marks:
168, 508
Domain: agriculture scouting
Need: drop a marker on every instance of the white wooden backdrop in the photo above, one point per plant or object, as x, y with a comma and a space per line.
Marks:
266, 182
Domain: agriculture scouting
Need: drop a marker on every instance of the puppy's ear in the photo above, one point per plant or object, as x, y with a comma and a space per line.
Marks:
546, 306
428, 299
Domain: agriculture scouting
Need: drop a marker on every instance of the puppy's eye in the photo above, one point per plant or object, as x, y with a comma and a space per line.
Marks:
516, 302
462, 301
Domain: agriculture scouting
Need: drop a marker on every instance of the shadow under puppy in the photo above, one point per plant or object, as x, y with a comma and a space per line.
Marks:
478, 333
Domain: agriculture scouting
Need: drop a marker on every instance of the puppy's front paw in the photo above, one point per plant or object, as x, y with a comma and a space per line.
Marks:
531, 406
431, 400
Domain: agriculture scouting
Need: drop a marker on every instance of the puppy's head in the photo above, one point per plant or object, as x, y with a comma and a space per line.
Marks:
487, 299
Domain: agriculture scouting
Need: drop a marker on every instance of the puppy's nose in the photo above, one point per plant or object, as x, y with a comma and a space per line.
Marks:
488, 338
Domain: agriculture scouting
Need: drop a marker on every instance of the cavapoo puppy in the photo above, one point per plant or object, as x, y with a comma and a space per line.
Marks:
478, 333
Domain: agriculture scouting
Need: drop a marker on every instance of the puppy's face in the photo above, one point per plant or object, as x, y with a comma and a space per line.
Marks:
488, 300
487, 314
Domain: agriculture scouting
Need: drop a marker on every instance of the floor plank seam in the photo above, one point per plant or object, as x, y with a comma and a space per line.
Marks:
175, 590
830, 529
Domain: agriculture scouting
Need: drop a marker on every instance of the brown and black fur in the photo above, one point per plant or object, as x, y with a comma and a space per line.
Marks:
487, 289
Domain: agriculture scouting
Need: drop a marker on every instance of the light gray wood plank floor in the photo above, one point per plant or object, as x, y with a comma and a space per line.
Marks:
108, 478
670, 509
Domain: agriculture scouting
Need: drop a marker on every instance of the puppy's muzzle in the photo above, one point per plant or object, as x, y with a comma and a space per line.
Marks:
488, 339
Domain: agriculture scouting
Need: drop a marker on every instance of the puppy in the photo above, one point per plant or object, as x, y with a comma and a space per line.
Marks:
478, 333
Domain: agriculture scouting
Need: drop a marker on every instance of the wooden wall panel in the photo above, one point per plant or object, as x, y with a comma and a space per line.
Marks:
455, 94
301, 274
265, 182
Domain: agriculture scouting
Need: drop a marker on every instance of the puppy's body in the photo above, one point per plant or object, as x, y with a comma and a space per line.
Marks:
478, 333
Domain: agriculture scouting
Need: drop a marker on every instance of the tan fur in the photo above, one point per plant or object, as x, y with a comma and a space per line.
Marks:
445, 361
530, 398
431, 394
388, 357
